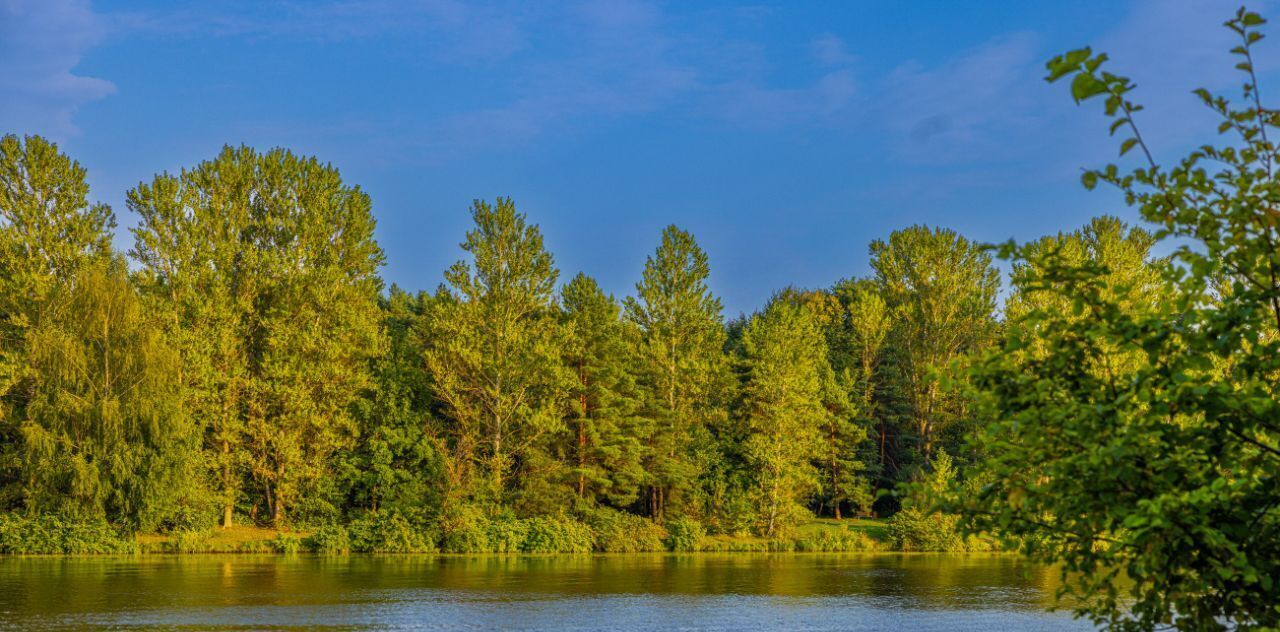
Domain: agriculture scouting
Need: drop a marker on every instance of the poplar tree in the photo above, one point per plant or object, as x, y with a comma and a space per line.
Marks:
941, 289
787, 377
605, 448
270, 269
195, 246
494, 354
683, 371
321, 325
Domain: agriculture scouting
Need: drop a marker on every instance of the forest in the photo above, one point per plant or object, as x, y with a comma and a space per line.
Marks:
1109, 406
244, 363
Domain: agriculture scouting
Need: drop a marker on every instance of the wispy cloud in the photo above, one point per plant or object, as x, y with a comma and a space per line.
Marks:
41, 43
965, 107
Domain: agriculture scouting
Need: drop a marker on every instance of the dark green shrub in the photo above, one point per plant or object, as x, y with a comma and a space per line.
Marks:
465, 531
55, 535
622, 532
389, 532
556, 535
329, 540
685, 534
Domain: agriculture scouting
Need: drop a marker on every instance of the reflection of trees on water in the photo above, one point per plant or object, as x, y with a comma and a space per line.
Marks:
86, 585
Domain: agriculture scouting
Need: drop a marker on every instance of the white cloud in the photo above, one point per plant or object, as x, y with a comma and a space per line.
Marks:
41, 43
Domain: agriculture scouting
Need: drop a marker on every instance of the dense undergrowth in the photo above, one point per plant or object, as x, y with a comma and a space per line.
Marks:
603, 531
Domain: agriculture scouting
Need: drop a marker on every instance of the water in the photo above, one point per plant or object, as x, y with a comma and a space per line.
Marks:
638, 592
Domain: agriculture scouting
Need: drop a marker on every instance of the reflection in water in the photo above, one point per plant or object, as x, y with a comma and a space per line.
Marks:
632, 592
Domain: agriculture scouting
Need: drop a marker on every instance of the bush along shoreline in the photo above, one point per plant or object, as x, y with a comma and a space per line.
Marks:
390, 532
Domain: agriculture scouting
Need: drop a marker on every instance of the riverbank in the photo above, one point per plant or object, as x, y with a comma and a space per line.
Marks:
393, 534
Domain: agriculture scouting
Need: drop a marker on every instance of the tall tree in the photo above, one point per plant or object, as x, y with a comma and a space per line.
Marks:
606, 444
105, 434
787, 376
857, 357
839, 462
195, 243
270, 268
942, 290
494, 353
682, 363
321, 325
48, 231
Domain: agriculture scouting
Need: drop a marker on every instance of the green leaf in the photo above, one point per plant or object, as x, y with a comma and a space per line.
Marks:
1086, 86
1127, 145
1089, 179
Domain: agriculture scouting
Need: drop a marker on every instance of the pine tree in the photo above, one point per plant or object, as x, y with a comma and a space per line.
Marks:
857, 357
494, 354
683, 372
605, 446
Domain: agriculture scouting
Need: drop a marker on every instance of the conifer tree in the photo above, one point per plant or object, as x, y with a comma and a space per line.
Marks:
683, 369
605, 447
494, 354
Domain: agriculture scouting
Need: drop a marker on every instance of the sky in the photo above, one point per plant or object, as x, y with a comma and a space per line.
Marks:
786, 136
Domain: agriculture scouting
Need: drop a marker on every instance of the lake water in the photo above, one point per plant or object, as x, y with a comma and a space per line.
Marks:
638, 592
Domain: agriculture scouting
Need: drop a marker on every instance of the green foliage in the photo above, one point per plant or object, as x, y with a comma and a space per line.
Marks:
786, 371
621, 532
465, 529
1141, 439
605, 443
285, 543
55, 535
683, 373
104, 434
493, 349
684, 534
942, 291
331, 539
390, 532
826, 541
188, 541
556, 535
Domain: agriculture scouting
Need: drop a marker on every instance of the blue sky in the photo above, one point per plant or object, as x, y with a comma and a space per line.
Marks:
785, 135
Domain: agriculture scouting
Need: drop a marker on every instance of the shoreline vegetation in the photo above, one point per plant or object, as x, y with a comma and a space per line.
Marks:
393, 535
1113, 413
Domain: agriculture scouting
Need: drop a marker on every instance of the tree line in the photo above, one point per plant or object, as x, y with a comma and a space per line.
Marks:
244, 363
1117, 413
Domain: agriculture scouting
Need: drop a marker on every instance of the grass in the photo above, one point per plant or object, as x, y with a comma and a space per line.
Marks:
875, 528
